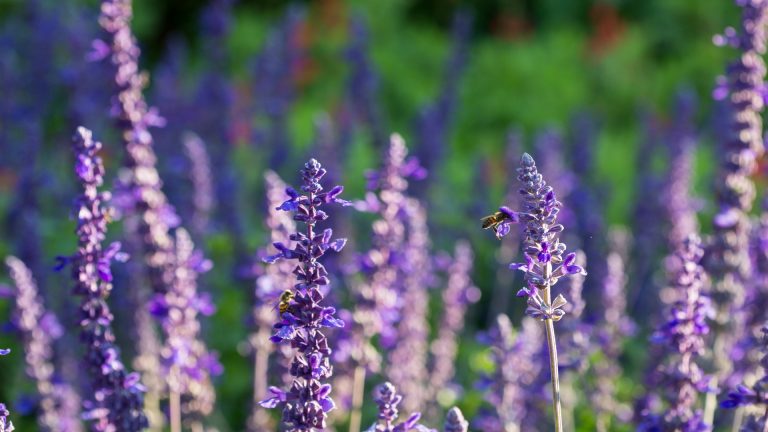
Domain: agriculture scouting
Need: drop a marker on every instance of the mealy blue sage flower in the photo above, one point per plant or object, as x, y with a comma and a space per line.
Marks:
755, 395
455, 421
727, 260
545, 259
39, 329
188, 365
117, 396
5, 424
302, 316
134, 117
386, 397
683, 334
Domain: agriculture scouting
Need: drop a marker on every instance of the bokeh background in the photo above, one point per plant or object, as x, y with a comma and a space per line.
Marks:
330, 78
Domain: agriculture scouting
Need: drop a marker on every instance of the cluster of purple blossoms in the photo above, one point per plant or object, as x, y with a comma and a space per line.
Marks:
458, 294
134, 118
307, 403
545, 264
187, 363
683, 337
376, 299
5, 424
386, 397
202, 182
755, 395
509, 387
455, 421
39, 329
275, 279
614, 326
408, 357
117, 395
728, 260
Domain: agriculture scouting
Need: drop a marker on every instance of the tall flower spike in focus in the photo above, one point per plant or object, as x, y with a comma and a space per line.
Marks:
545, 262
301, 315
683, 336
117, 401
39, 329
386, 397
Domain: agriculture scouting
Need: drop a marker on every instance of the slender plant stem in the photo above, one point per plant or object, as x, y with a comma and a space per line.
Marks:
738, 418
603, 422
175, 411
765, 420
556, 406
710, 403
358, 389
260, 365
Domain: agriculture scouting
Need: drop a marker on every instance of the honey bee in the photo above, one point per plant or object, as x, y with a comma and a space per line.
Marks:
496, 223
285, 300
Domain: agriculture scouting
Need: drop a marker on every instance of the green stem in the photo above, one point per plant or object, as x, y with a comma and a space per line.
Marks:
553, 368
358, 388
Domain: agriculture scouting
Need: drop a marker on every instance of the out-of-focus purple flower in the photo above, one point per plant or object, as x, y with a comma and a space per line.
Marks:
755, 395
134, 118
680, 208
39, 328
361, 100
648, 211
586, 202
683, 337
117, 400
455, 422
727, 257
5, 424
459, 293
407, 360
376, 298
545, 263
202, 182
185, 357
516, 378
307, 402
610, 332
386, 397
433, 124
275, 80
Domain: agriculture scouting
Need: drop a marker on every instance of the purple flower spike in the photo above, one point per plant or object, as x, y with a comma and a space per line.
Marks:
117, 400
39, 330
5, 424
728, 256
683, 337
134, 117
455, 422
386, 397
307, 403
545, 263
756, 395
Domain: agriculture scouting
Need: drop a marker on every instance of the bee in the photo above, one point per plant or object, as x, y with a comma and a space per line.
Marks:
285, 300
496, 222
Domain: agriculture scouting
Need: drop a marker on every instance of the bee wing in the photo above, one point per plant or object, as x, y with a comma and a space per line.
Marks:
488, 221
